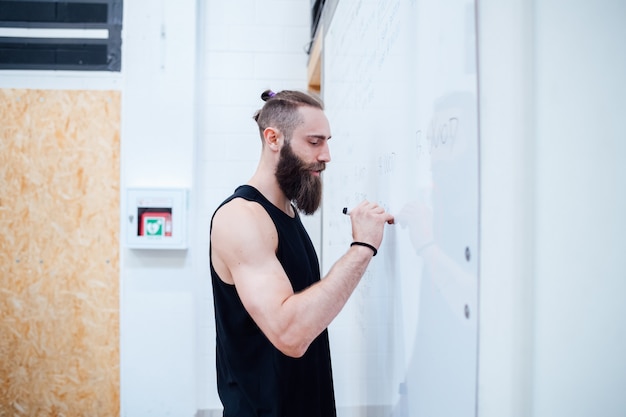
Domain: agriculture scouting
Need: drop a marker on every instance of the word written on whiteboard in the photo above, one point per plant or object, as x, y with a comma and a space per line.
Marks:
440, 134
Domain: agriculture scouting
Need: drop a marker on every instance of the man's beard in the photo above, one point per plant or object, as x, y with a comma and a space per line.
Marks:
296, 180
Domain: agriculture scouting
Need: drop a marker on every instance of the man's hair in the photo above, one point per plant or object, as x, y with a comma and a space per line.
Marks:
281, 110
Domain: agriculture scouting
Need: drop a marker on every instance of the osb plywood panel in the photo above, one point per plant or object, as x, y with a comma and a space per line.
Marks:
59, 253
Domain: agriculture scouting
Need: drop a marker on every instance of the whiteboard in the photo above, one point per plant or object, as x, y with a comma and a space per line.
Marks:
400, 89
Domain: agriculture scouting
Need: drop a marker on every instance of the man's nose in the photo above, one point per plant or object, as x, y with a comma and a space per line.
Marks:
324, 155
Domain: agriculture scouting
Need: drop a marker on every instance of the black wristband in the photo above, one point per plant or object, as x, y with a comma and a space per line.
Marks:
367, 245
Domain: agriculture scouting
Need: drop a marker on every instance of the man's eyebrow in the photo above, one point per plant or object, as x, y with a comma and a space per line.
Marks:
322, 137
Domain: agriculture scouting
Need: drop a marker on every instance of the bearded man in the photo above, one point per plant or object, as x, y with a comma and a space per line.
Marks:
272, 309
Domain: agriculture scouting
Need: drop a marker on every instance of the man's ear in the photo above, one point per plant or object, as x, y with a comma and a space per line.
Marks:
272, 137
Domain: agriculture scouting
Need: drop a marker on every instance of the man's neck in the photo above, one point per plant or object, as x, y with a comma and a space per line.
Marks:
268, 186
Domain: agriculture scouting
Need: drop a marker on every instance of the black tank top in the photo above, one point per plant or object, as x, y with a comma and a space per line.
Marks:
253, 377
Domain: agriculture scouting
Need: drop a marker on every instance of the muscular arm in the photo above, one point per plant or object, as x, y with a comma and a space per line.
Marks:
244, 242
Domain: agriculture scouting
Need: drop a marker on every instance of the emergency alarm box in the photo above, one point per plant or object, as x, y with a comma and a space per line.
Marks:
157, 218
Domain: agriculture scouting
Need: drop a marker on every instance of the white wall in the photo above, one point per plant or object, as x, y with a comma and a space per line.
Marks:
580, 207
553, 198
157, 312
506, 206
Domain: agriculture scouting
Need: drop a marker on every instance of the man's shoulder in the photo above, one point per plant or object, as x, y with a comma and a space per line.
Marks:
238, 206
242, 225
238, 211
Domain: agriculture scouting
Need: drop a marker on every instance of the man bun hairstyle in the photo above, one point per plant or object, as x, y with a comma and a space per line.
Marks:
281, 110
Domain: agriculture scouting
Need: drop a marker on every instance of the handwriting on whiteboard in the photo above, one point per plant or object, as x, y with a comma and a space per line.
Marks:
441, 134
